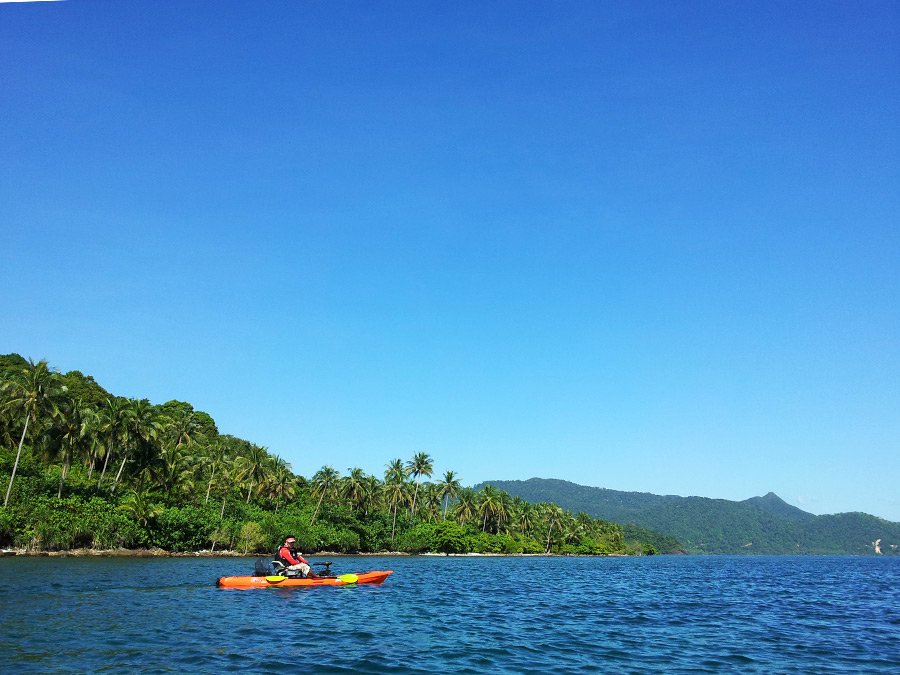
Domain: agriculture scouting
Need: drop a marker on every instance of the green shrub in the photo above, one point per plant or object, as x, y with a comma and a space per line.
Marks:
7, 528
251, 538
225, 535
416, 540
532, 546
509, 544
187, 528
341, 540
375, 532
483, 542
448, 537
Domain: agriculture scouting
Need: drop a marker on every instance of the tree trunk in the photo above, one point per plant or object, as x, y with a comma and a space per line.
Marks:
415, 494
119, 475
321, 497
209, 487
249, 490
105, 464
63, 477
16, 464
222, 513
394, 527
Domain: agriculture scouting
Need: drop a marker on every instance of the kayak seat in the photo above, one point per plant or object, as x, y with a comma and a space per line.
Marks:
281, 570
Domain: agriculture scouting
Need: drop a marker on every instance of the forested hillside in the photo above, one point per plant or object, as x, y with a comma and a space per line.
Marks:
81, 467
760, 525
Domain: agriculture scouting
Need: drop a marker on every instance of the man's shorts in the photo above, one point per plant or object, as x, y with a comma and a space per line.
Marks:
303, 568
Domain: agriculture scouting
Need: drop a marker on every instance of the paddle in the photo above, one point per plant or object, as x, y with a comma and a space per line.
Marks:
344, 579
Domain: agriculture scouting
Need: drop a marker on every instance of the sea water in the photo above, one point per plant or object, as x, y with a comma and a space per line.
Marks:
664, 614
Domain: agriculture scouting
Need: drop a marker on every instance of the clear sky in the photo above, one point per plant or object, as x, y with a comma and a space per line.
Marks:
645, 246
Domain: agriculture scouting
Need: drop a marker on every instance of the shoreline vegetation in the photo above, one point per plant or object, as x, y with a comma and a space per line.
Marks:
84, 471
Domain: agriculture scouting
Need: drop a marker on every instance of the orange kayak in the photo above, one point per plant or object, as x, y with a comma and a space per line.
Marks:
285, 582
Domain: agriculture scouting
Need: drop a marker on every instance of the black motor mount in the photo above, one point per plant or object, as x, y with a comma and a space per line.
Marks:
326, 572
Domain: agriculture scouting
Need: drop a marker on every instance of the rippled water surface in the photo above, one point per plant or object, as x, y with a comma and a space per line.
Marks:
456, 615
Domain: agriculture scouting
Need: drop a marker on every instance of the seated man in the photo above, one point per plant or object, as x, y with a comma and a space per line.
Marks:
293, 561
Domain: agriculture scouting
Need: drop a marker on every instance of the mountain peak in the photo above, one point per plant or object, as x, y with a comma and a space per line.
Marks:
776, 506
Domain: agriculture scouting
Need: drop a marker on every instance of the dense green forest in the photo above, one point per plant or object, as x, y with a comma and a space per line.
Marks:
760, 525
83, 468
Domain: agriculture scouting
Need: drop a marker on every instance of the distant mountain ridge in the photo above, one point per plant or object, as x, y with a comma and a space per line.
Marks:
759, 525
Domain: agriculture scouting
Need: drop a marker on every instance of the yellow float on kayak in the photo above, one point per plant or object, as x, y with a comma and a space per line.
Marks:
293, 582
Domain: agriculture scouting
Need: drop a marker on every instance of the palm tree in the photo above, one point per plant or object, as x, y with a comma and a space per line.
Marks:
449, 489
503, 511
281, 483
141, 429
554, 518
420, 465
466, 508
139, 507
217, 455
174, 469
92, 423
488, 504
354, 488
395, 471
394, 488
65, 437
114, 421
526, 518
323, 482
571, 529
373, 491
431, 500
149, 459
8, 435
184, 429
395, 493
583, 525
33, 390
226, 481
254, 466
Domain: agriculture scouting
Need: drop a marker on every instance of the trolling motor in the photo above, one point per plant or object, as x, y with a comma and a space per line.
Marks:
267, 568
326, 572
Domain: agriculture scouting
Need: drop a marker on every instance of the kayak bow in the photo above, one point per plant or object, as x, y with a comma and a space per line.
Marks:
282, 582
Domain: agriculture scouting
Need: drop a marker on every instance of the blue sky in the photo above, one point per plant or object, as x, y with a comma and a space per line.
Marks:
643, 246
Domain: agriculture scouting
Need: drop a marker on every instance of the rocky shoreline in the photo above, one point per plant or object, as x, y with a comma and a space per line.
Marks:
161, 553
121, 553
